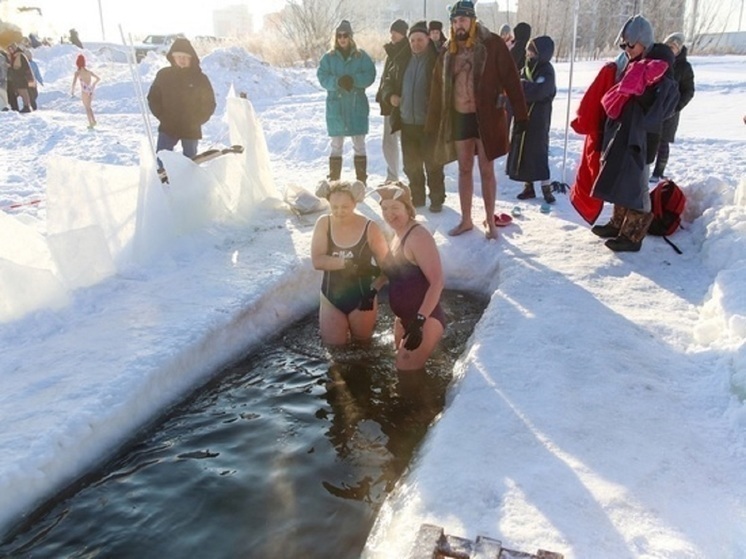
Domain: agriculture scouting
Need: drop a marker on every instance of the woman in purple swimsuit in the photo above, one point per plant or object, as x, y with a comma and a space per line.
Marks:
415, 280
345, 245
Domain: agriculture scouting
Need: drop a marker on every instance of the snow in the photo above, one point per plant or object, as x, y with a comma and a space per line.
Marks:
598, 411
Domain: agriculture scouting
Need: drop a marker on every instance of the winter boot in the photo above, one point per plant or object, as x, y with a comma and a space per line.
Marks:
528, 192
546, 190
335, 168
361, 168
612, 228
632, 232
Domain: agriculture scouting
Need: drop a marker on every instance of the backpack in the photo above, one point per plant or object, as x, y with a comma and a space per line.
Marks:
667, 204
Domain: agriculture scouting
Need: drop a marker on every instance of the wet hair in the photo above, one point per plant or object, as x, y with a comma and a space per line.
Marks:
80, 62
355, 189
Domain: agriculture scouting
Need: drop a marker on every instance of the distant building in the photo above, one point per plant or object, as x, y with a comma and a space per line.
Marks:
733, 42
232, 21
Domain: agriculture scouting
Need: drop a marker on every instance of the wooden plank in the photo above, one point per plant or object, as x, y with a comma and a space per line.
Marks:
487, 548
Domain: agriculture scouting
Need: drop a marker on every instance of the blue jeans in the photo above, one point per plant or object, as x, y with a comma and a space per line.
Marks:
168, 142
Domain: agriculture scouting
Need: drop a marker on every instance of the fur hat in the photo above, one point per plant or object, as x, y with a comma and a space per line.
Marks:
419, 27
396, 190
637, 29
400, 26
463, 8
675, 38
356, 189
344, 27
435, 25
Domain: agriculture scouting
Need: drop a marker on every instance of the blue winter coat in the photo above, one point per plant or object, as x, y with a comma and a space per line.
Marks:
346, 111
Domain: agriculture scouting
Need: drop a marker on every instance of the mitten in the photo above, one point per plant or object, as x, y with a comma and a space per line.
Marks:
366, 302
413, 333
345, 82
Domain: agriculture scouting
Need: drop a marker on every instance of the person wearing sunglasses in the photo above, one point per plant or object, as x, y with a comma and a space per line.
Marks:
345, 72
644, 96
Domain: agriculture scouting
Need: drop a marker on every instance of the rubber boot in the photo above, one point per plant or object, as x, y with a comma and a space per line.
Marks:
361, 168
528, 192
546, 190
611, 229
335, 168
633, 231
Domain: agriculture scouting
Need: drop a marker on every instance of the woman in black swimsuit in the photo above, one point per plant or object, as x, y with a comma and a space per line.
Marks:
347, 246
415, 278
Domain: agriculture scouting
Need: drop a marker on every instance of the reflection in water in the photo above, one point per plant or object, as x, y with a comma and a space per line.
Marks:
282, 455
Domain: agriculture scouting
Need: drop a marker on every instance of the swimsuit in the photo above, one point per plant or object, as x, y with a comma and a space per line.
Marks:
345, 288
86, 88
407, 286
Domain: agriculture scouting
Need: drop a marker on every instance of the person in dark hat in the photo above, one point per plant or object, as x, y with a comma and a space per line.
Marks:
406, 87
345, 72
467, 113
182, 99
391, 141
435, 29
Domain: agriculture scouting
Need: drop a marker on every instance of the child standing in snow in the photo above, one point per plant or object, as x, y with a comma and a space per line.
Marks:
88, 81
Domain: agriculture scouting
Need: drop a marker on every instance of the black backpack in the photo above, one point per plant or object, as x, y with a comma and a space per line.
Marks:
667, 202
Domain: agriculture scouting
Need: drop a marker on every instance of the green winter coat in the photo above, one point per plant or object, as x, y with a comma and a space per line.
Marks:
346, 111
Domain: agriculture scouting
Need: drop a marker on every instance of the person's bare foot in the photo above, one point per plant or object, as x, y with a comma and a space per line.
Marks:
491, 233
462, 227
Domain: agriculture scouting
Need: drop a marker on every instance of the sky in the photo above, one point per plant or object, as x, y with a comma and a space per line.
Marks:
598, 411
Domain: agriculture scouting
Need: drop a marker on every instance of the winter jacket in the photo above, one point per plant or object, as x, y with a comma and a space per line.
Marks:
494, 76
521, 37
392, 81
589, 121
392, 51
528, 160
182, 99
631, 141
684, 76
346, 111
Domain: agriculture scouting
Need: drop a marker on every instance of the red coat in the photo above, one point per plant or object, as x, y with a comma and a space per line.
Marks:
495, 76
590, 121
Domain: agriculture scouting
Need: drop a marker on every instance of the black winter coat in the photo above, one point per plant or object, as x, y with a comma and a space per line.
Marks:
392, 51
684, 76
181, 99
631, 142
521, 37
528, 159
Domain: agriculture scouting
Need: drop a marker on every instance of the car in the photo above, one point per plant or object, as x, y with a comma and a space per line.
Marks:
156, 43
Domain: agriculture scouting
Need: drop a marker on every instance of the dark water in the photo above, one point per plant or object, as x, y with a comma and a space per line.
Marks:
288, 453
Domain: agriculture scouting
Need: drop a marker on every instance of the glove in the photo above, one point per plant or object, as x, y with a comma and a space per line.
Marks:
366, 303
345, 82
519, 127
413, 333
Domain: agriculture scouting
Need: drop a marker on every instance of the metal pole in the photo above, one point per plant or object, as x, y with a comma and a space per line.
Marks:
576, 9
101, 18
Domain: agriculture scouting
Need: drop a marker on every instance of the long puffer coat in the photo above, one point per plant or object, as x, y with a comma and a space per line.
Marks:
528, 159
346, 111
684, 76
182, 99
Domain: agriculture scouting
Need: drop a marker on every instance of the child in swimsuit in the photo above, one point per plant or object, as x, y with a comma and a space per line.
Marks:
88, 81
344, 246
415, 277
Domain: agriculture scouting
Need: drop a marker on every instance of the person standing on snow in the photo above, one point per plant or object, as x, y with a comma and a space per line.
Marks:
182, 99
467, 114
528, 160
344, 72
391, 141
88, 81
435, 29
684, 76
635, 107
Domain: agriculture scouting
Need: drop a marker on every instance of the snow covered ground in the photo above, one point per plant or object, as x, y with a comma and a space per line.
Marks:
598, 413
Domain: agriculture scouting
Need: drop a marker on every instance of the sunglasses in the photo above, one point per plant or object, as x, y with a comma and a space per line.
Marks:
343, 35
625, 46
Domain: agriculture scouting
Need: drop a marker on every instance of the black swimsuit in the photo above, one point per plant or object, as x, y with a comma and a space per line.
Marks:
407, 286
345, 288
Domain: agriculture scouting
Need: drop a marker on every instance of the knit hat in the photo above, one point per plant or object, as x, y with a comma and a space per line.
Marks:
344, 27
400, 26
463, 8
675, 38
637, 29
435, 25
505, 29
419, 27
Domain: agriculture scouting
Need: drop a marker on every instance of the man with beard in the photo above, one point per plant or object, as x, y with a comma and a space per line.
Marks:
467, 108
